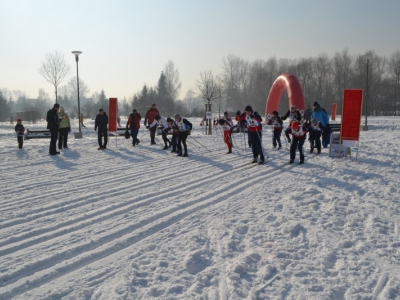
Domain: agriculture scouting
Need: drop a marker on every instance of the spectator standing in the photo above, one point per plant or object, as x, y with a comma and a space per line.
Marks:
53, 124
149, 118
134, 124
65, 128
321, 115
81, 118
101, 123
20, 130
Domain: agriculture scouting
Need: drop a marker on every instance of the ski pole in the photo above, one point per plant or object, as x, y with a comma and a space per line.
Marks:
200, 144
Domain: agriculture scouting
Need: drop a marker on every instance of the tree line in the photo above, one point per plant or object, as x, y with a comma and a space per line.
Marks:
239, 83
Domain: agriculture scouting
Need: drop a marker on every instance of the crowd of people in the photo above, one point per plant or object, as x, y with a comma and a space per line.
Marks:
313, 122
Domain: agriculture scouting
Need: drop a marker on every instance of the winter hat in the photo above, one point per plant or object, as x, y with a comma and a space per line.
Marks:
293, 106
153, 104
177, 116
226, 113
248, 108
134, 110
314, 121
295, 125
275, 113
316, 104
169, 119
19, 121
157, 117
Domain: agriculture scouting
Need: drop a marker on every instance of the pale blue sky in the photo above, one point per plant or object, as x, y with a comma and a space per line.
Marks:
127, 43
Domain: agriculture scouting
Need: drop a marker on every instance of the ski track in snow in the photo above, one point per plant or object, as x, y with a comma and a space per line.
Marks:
141, 223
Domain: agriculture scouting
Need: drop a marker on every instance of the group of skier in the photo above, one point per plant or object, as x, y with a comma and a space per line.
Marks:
315, 123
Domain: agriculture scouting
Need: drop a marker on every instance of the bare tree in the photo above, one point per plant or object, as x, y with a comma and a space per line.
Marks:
210, 89
54, 69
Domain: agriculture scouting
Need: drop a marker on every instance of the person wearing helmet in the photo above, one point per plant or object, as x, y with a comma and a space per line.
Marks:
299, 133
294, 115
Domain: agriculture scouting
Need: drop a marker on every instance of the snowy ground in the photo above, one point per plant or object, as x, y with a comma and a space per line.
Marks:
141, 223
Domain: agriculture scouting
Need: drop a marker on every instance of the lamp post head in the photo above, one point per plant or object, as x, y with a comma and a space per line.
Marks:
367, 56
76, 53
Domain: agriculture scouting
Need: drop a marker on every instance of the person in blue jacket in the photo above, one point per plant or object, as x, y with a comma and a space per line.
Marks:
320, 114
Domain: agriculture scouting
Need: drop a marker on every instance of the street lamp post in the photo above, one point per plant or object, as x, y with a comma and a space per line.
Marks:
78, 135
367, 57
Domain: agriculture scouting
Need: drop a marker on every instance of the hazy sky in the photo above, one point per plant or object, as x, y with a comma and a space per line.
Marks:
126, 44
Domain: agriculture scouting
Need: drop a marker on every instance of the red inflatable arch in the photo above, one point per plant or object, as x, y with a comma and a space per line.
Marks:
291, 84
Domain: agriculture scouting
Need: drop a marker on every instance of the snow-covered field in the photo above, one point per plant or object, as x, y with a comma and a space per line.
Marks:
142, 223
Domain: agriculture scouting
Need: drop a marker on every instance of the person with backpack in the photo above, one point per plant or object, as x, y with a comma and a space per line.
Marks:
148, 119
101, 123
227, 125
322, 116
277, 126
184, 127
160, 122
65, 129
253, 120
53, 124
134, 124
299, 133
20, 130
294, 115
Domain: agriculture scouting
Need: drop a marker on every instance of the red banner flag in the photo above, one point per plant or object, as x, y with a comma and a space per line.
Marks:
112, 114
351, 114
333, 116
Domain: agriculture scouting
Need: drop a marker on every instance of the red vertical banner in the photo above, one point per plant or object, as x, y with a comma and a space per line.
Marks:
333, 116
351, 114
112, 114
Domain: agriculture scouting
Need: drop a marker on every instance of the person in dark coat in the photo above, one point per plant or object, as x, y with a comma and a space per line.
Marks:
294, 115
20, 130
101, 123
53, 124
134, 124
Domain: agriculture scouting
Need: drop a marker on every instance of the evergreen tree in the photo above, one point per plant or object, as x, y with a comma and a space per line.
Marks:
103, 101
164, 99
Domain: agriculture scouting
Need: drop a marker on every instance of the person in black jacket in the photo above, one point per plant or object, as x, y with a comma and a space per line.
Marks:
19, 130
101, 123
53, 124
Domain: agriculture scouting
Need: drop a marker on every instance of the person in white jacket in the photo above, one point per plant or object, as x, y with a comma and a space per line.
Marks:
161, 123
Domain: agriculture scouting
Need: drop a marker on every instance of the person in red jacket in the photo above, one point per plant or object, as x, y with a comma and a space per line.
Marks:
134, 124
149, 118
299, 133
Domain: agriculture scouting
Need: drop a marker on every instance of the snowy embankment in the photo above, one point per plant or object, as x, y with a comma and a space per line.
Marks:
141, 223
